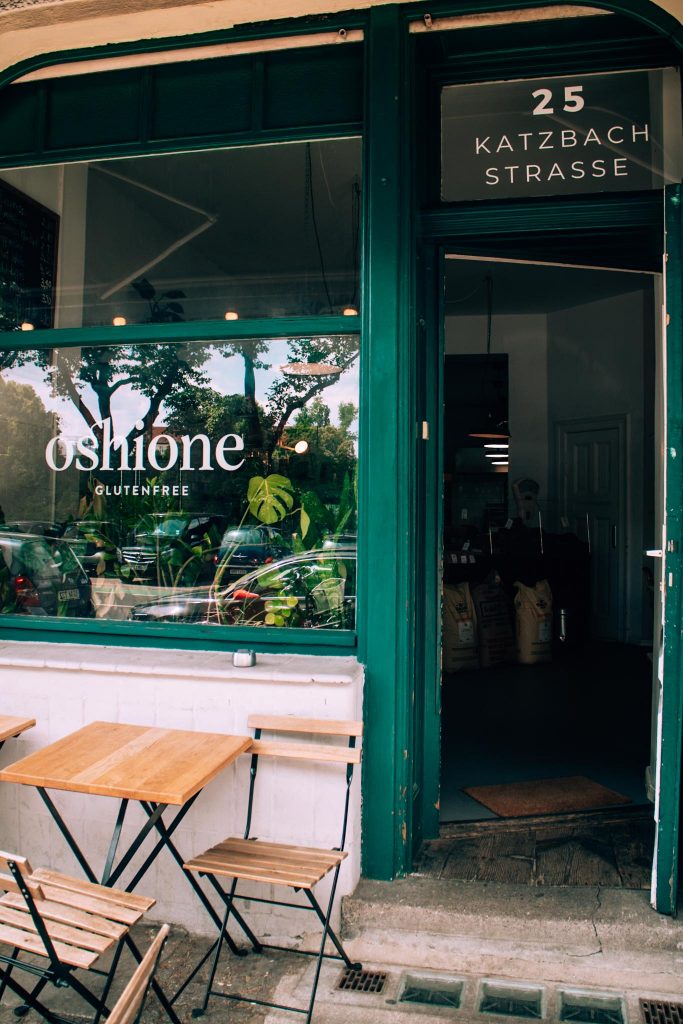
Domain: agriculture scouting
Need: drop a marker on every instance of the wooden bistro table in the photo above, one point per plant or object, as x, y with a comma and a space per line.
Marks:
158, 768
11, 725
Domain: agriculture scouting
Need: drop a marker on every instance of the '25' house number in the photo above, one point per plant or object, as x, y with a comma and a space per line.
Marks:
573, 100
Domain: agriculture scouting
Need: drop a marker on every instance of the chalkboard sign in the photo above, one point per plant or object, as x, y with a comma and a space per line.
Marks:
28, 260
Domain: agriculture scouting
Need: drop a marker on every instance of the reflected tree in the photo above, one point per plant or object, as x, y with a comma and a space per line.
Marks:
293, 391
157, 370
25, 428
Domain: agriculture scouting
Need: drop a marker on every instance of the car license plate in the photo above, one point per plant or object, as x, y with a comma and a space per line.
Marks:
68, 595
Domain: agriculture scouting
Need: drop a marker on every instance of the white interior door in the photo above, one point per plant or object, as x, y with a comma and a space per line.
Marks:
592, 477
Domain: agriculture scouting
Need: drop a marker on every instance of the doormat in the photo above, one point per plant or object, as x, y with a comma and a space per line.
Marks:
546, 796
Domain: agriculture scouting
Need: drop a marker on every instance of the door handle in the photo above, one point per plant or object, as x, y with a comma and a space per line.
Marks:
614, 536
653, 552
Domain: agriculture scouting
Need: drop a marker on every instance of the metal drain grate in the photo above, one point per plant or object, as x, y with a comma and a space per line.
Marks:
590, 1007
584, 1014
372, 982
655, 1012
431, 996
511, 1006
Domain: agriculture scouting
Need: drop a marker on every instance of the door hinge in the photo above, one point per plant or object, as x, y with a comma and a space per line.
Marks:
672, 546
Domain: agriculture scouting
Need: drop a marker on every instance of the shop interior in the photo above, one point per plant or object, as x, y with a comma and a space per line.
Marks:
550, 484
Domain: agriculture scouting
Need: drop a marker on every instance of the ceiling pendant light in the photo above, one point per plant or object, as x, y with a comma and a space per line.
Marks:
495, 424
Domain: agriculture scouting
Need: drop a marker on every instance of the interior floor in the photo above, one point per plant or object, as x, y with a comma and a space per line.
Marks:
586, 713
612, 848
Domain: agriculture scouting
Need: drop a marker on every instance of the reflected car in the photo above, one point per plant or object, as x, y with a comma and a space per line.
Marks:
331, 541
172, 548
38, 527
313, 589
39, 576
94, 542
245, 547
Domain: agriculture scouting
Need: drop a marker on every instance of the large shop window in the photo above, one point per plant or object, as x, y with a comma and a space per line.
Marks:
260, 231
179, 390
192, 482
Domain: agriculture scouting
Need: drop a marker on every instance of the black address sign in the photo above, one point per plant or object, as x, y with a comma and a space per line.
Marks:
591, 133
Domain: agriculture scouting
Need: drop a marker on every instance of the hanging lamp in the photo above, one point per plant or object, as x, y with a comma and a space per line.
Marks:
494, 426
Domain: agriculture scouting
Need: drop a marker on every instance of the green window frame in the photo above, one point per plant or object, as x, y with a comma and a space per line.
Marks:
267, 121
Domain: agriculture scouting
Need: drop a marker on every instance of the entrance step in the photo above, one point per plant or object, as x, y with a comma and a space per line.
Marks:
581, 936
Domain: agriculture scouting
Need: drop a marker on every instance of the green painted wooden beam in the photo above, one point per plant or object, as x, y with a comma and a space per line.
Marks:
671, 699
200, 330
387, 430
116, 633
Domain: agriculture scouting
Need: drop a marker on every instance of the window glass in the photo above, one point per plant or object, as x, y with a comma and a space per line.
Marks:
259, 231
556, 136
194, 482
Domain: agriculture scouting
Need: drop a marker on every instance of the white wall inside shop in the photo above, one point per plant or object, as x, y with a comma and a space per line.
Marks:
67, 686
582, 360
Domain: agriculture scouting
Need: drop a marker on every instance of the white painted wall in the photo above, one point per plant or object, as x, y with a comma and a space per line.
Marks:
66, 686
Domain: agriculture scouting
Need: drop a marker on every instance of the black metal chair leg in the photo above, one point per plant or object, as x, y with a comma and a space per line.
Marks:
109, 980
331, 934
84, 992
195, 971
156, 987
3, 980
323, 940
21, 1011
199, 1011
31, 1002
234, 912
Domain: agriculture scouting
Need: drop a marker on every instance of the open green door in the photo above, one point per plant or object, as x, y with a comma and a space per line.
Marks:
670, 668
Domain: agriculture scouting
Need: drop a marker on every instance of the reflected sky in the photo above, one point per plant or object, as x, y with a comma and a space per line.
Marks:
224, 371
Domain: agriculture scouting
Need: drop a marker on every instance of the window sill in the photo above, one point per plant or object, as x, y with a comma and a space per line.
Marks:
192, 665
101, 632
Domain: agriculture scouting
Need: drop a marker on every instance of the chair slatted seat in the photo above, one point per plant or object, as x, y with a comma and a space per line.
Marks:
69, 922
297, 866
300, 868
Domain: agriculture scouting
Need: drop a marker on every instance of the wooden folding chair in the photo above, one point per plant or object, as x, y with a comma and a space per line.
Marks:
298, 868
129, 1006
66, 924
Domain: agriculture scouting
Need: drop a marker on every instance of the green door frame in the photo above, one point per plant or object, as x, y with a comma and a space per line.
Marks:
478, 233
668, 777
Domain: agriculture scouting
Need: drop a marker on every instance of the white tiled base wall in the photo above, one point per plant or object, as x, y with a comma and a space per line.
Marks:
66, 686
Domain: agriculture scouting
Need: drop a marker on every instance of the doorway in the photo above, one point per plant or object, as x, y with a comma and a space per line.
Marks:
548, 643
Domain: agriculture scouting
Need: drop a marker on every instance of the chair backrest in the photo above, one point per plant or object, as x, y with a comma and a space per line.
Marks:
15, 873
129, 1005
349, 754
304, 750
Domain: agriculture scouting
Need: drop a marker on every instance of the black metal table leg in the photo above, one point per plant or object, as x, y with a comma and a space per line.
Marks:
201, 895
71, 842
